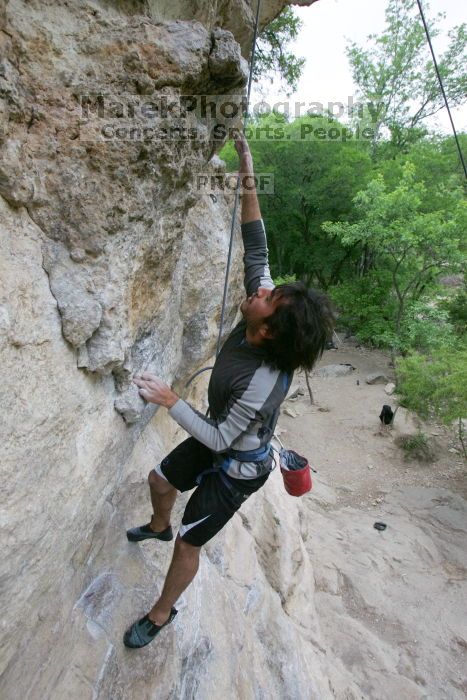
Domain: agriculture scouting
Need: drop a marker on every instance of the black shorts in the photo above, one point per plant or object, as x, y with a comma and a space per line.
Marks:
215, 499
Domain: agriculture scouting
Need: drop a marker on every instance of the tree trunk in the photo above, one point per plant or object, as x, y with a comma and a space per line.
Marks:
307, 379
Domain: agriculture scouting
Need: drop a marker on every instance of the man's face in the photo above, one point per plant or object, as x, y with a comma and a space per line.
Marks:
259, 306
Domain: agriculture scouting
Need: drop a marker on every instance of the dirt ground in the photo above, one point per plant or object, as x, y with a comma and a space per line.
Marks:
392, 603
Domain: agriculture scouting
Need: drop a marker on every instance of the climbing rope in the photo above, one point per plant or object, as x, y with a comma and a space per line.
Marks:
234, 213
237, 188
427, 32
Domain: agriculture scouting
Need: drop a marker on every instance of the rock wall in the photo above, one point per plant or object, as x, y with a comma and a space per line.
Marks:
112, 263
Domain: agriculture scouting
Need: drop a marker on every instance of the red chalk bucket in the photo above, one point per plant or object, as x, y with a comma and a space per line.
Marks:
296, 472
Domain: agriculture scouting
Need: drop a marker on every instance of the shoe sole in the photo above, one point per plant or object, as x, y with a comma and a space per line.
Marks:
156, 536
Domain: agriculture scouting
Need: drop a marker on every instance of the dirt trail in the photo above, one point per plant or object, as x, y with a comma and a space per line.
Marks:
391, 604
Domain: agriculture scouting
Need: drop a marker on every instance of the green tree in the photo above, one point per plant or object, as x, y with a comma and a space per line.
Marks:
434, 158
396, 78
273, 56
409, 246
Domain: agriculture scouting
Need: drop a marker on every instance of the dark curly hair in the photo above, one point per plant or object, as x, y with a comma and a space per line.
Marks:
301, 325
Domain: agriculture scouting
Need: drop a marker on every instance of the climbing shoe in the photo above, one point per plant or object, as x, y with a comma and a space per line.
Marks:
144, 532
143, 632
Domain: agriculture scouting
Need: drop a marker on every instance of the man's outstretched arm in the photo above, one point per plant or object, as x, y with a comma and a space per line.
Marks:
250, 204
255, 260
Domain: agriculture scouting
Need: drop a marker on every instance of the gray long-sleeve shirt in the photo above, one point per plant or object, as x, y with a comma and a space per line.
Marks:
245, 392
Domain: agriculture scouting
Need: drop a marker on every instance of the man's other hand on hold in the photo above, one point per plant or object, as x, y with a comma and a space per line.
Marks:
154, 390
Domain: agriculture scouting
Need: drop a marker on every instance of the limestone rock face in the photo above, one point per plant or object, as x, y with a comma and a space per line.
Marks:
112, 263
238, 16
115, 215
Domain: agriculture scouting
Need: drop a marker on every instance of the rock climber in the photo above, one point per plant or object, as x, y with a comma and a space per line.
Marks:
228, 455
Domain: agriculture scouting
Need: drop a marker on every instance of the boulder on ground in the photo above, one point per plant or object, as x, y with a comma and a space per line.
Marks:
291, 412
376, 378
295, 393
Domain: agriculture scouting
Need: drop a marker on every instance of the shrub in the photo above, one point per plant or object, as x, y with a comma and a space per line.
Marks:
416, 447
434, 385
366, 308
426, 327
456, 308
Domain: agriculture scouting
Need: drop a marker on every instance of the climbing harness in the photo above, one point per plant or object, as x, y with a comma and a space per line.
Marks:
234, 213
295, 470
239, 456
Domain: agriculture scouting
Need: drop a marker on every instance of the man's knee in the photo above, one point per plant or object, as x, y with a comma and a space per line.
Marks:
185, 548
158, 483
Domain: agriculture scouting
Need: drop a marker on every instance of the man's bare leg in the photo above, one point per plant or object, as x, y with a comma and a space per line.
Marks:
163, 497
182, 570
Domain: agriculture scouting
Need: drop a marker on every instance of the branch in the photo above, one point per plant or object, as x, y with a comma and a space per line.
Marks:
415, 117
307, 379
418, 277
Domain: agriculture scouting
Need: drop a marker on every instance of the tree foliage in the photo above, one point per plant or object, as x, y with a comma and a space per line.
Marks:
273, 56
435, 384
396, 77
409, 245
